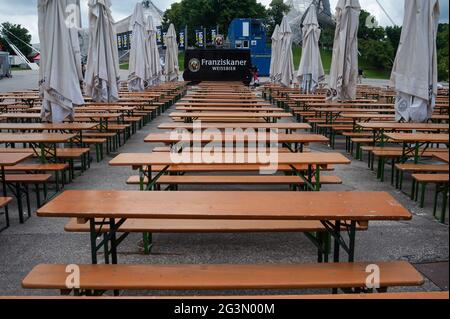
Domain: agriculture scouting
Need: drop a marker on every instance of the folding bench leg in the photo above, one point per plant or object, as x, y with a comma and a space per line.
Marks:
148, 243
422, 197
19, 203
38, 195
27, 196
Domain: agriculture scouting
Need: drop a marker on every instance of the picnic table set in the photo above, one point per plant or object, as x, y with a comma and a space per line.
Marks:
330, 220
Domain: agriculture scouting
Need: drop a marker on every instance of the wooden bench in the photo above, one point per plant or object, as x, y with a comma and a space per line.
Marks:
441, 181
100, 278
292, 181
58, 169
98, 143
4, 202
20, 187
417, 168
112, 139
151, 226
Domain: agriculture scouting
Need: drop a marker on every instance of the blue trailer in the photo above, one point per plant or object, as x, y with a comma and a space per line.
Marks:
251, 34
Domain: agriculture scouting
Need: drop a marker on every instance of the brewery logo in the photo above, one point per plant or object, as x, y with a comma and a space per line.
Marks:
194, 65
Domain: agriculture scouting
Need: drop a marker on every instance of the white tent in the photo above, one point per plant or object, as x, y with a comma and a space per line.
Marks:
274, 59
310, 71
171, 63
102, 71
138, 64
286, 61
153, 52
414, 74
344, 65
60, 71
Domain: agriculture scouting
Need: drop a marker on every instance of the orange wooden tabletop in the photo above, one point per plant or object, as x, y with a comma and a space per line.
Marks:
417, 137
358, 206
13, 159
206, 125
144, 159
236, 138
36, 138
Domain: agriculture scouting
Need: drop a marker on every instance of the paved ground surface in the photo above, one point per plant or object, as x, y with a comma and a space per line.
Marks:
422, 241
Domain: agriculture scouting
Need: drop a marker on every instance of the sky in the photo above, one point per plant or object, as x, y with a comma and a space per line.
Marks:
24, 12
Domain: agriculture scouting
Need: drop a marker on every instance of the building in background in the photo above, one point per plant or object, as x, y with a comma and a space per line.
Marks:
250, 34
298, 11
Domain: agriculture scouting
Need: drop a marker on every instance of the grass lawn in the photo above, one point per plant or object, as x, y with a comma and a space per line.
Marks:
326, 55
125, 66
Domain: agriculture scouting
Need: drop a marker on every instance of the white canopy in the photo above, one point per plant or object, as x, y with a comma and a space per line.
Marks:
138, 64
344, 65
286, 61
102, 71
310, 71
414, 74
171, 63
60, 71
153, 52
274, 59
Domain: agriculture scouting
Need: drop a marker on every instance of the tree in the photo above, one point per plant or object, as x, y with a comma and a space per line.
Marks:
275, 13
20, 32
442, 51
393, 34
211, 13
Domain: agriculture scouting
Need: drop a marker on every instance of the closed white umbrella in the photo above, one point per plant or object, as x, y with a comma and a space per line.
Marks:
153, 52
310, 71
60, 70
286, 61
171, 63
138, 65
102, 71
274, 59
414, 74
344, 65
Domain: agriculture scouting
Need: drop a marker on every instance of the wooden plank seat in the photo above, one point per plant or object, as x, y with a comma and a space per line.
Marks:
4, 202
98, 144
441, 181
395, 155
111, 137
230, 168
166, 149
417, 168
153, 226
293, 181
59, 169
123, 129
102, 278
19, 186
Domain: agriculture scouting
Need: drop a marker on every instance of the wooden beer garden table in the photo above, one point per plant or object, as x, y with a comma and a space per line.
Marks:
145, 161
294, 142
65, 128
288, 127
224, 104
102, 118
268, 117
10, 160
378, 129
108, 210
44, 145
412, 142
231, 108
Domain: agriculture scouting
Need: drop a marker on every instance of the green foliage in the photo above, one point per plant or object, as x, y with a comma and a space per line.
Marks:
20, 32
277, 9
393, 34
211, 13
442, 48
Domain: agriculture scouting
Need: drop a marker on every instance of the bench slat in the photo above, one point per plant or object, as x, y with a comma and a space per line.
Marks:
222, 277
